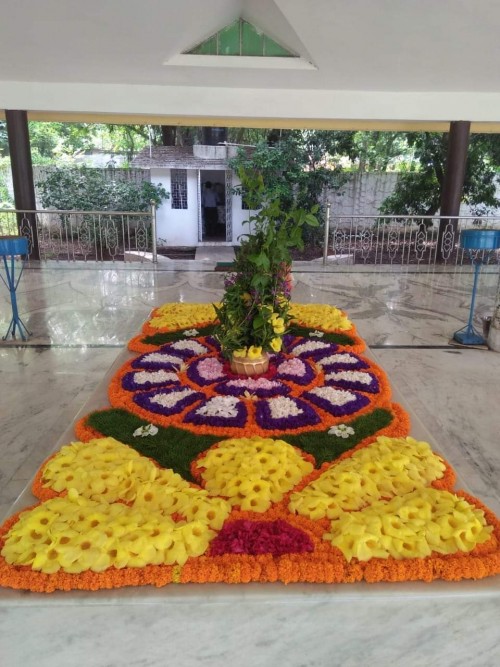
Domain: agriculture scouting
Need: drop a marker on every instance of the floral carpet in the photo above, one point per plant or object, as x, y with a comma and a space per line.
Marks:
194, 474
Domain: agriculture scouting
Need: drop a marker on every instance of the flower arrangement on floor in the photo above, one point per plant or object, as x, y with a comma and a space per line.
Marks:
200, 489
254, 313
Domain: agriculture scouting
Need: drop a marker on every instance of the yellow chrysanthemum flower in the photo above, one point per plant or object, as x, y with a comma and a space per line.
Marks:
87, 535
174, 316
320, 316
252, 472
392, 529
387, 468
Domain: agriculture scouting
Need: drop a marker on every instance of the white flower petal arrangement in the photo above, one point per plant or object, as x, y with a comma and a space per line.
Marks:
341, 431
144, 431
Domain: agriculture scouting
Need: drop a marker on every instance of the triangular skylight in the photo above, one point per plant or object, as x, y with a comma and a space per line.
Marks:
240, 45
241, 38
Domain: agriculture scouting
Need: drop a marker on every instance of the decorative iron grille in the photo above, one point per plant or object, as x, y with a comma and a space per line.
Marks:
178, 186
85, 235
229, 206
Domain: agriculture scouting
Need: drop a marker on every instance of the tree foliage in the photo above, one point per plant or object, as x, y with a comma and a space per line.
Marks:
418, 191
50, 141
380, 151
299, 167
84, 189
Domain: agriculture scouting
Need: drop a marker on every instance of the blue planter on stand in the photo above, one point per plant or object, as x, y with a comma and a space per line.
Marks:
10, 246
475, 241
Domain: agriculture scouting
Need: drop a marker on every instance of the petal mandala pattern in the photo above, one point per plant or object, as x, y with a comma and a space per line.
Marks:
285, 412
186, 348
337, 402
383, 511
352, 380
143, 380
167, 401
219, 411
312, 349
206, 371
342, 360
158, 360
260, 387
296, 370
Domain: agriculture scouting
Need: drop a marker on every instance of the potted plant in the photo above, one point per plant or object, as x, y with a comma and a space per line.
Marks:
254, 312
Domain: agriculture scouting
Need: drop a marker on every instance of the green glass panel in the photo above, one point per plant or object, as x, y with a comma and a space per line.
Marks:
271, 48
240, 39
229, 40
206, 48
252, 41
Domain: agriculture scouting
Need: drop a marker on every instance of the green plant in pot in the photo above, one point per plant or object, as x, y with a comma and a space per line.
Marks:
254, 312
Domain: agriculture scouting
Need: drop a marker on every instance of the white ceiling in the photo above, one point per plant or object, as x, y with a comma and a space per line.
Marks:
374, 59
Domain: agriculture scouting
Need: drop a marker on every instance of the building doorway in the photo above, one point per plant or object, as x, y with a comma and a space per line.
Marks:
213, 205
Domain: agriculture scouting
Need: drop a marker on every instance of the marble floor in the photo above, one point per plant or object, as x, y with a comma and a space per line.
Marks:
82, 315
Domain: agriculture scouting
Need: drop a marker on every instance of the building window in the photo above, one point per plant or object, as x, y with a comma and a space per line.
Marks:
179, 188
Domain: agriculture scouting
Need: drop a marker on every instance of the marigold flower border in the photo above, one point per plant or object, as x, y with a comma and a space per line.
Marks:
325, 564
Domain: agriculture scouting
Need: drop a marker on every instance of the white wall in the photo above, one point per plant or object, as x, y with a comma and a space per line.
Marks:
177, 227
180, 227
239, 215
362, 194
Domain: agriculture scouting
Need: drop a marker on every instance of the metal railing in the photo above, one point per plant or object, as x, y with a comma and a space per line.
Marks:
84, 235
402, 239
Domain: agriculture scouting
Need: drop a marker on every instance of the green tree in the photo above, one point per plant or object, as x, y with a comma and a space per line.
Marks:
418, 191
380, 151
5, 198
48, 140
298, 167
85, 189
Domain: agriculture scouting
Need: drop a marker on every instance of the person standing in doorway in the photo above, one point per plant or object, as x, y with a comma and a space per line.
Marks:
209, 201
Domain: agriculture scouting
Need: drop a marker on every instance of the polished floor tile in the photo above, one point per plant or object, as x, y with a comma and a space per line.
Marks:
82, 316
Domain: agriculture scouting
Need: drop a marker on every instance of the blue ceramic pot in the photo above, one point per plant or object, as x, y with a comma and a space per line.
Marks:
480, 239
13, 245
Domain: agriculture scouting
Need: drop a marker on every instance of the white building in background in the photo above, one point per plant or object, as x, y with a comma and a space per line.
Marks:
184, 171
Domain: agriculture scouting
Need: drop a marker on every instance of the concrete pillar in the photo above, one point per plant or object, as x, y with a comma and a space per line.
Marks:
22, 172
451, 195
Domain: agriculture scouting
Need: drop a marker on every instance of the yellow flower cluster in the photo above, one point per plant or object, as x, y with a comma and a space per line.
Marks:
252, 472
320, 316
276, 343
278, 323
175, 316
252, 352
195, 505
106, 470
388, 467
75, 534
410, 526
